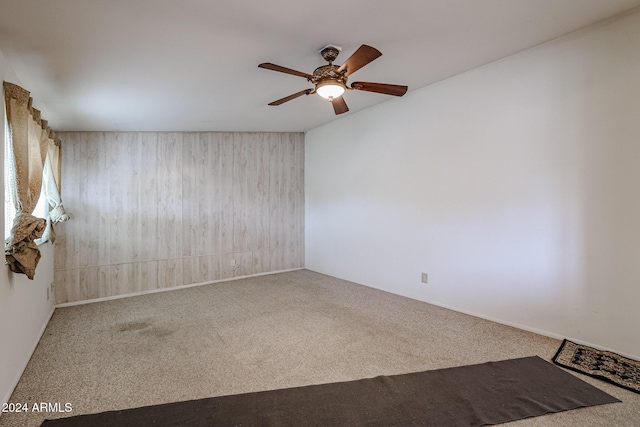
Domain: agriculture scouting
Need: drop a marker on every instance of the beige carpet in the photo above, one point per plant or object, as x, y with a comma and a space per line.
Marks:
268, 332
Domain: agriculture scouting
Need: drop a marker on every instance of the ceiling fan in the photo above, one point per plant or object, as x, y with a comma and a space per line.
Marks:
330, 81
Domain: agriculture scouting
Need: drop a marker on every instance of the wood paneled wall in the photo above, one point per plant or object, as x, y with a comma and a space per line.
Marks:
160, 210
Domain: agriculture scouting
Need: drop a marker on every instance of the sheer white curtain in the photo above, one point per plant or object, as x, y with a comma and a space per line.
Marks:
30, 146
54, 210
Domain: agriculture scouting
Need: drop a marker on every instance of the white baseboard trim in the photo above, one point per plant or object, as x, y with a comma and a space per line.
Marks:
534, 330
174, 288
19, 372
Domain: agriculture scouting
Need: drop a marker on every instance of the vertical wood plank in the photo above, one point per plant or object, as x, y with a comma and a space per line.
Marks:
245, 264
300, 229
205, 270
241, 209
214, 268
170, 273
226, 189
203, 171
288, 188
169, 196
104, 282
226, 271
71, 197
290, 258
101, 199
124, 168
88, 283
276, 258
72, 285
149, 219
66, 285
86, 223
261, 262
148, 275
59, 254
116, 195
189, 194
260, 186
190, 271
125, 278
276, 172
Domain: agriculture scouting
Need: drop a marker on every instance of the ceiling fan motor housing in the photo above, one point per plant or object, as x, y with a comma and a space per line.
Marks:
328, 74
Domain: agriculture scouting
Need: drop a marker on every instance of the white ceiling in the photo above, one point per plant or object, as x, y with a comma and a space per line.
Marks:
169, 65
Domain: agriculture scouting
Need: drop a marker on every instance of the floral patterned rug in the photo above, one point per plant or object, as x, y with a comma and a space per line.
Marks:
608, 366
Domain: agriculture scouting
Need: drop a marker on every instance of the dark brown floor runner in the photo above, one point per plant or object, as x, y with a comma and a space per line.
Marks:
475, 395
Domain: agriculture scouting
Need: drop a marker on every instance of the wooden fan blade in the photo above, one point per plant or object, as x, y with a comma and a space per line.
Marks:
395, 90
274, 67
290, 97
359, 59
339, 105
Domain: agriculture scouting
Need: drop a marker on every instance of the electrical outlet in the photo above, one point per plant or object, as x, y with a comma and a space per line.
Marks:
424, 277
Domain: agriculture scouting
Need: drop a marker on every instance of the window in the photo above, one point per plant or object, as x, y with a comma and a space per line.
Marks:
41, 210
28, 134
42, 207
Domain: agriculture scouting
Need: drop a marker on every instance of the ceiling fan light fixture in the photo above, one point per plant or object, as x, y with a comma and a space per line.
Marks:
330, 81
330, 89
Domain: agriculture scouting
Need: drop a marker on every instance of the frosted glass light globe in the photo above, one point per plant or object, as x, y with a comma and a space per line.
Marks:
330, 90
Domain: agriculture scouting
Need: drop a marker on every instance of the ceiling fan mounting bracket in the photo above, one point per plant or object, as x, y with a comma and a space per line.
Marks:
330, 53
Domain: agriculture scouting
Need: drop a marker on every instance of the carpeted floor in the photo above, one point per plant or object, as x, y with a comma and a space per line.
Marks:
269, 332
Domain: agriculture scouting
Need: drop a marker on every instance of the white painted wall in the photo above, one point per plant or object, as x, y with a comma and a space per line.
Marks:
24, 308
516, 186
